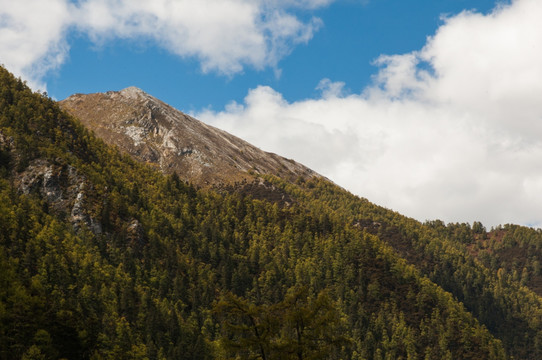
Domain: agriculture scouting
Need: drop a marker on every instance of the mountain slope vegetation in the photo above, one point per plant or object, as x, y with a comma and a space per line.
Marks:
102, 257
443, 253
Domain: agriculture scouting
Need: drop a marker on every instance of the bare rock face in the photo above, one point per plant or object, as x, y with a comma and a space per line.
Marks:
154, 132
5, 142
135, 234
63, 189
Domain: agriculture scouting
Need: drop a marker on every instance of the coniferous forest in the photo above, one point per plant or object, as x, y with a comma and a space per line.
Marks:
102, 257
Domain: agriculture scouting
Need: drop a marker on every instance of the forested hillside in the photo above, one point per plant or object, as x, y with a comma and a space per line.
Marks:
514, 251
102, 257
444, 253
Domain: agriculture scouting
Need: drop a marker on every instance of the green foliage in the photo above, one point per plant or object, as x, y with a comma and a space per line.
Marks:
221, 275
444, 253
298, 327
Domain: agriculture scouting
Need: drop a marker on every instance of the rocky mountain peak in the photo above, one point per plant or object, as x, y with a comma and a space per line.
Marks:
132, 92
154, 132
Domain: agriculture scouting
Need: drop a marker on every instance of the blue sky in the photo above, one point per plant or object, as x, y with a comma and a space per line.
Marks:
430, 108
352, 35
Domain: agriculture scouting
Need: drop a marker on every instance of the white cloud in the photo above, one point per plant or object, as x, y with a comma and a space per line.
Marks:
32, 36
451, 131
224, 35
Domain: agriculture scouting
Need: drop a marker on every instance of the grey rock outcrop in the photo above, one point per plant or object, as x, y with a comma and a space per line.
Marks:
63, 189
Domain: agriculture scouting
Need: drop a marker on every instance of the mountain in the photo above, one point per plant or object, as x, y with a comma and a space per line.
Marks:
155, 133
104, 257
515, 258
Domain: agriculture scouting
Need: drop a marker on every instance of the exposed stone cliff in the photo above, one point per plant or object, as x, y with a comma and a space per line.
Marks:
154, 132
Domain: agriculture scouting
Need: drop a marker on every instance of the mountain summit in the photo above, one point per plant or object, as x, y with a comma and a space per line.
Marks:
154, 132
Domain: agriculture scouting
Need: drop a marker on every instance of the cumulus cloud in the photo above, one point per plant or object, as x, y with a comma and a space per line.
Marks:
30, 43
224, 35
450, 131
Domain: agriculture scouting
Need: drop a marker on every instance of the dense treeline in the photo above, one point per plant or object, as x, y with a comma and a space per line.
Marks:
180, 273
444, 253
515, 251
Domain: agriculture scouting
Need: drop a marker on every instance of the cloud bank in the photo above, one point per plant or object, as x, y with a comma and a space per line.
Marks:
451, 131
224, 35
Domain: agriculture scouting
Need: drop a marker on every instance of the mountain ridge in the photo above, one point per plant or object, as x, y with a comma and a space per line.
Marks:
156, 133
